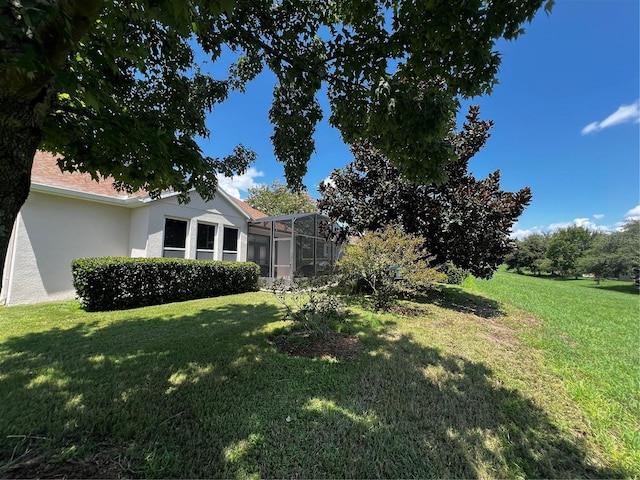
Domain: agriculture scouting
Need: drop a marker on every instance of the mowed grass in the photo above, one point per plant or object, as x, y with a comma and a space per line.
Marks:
591, 338
196, 389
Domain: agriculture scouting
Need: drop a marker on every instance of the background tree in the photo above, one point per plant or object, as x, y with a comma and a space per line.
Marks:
465, 221
614, 254
598, 260
546, 266
566, 246
114, 87
279, 199
516, 259
529, 253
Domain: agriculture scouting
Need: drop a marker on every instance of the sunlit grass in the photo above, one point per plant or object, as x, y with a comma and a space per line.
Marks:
591, 338
197, 389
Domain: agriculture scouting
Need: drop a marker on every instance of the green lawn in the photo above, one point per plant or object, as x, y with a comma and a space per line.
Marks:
591, 338
197, 389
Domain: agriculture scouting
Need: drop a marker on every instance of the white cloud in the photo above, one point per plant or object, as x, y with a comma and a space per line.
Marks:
233, 185
633, 214
585, 223
329, 181
557, 226
624, 114
590, 223
521, 234
579, 222
592, 127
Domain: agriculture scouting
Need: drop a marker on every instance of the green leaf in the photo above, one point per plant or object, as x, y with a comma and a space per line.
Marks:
91, 101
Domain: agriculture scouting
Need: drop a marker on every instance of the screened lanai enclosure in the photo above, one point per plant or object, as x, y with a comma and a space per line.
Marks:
288, 246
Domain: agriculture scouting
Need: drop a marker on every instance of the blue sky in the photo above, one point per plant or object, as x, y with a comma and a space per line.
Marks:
566, 115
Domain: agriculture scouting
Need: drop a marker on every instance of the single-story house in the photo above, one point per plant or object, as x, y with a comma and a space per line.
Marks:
69, 216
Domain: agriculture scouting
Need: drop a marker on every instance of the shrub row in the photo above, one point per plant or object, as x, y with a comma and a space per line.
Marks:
116, 283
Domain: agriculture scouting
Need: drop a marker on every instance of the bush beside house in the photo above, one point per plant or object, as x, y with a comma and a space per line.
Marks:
116, 283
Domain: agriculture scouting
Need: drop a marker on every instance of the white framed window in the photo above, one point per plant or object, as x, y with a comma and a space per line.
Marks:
175, 238
205, 242
230, 244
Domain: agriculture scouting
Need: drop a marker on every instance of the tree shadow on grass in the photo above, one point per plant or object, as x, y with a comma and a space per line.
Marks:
206, 395
630, 288
459, 300
627, 287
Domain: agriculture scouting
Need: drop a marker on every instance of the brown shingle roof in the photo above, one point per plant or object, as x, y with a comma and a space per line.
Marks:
254, 213
45, 171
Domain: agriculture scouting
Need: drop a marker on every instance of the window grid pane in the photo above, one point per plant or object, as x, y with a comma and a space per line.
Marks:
206, 236
204, 255
175, 233
173, 253
230, 242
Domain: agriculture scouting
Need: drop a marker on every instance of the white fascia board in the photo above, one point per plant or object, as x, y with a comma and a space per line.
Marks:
163, 195
228, 198
224, 194
130, 202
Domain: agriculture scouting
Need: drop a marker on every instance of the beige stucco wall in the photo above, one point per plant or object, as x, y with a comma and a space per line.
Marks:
138, 231
50, 232
218, 212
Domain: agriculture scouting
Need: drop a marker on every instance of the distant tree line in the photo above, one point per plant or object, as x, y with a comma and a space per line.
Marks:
575, 250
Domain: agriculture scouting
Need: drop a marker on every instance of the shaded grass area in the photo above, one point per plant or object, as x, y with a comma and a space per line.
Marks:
197, 390
591, 338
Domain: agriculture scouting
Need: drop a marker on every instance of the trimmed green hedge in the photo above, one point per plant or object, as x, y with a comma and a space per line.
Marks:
116, 283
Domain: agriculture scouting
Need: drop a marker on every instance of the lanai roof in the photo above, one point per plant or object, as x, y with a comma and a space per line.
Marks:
291, 216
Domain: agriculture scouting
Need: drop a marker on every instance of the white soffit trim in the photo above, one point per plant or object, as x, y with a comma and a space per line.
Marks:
130, 202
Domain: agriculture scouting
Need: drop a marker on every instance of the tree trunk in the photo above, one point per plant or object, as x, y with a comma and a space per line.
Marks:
25, 96
20, 134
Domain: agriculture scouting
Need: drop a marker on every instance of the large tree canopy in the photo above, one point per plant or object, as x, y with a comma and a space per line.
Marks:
465, 221
114, 86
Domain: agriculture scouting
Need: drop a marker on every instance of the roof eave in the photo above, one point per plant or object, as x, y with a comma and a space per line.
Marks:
130, 202
292, 216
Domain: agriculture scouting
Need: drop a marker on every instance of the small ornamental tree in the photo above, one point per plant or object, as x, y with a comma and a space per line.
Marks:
390, 262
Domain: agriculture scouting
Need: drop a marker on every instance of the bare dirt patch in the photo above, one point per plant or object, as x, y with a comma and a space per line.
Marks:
409, 311
501, 333
333, 345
